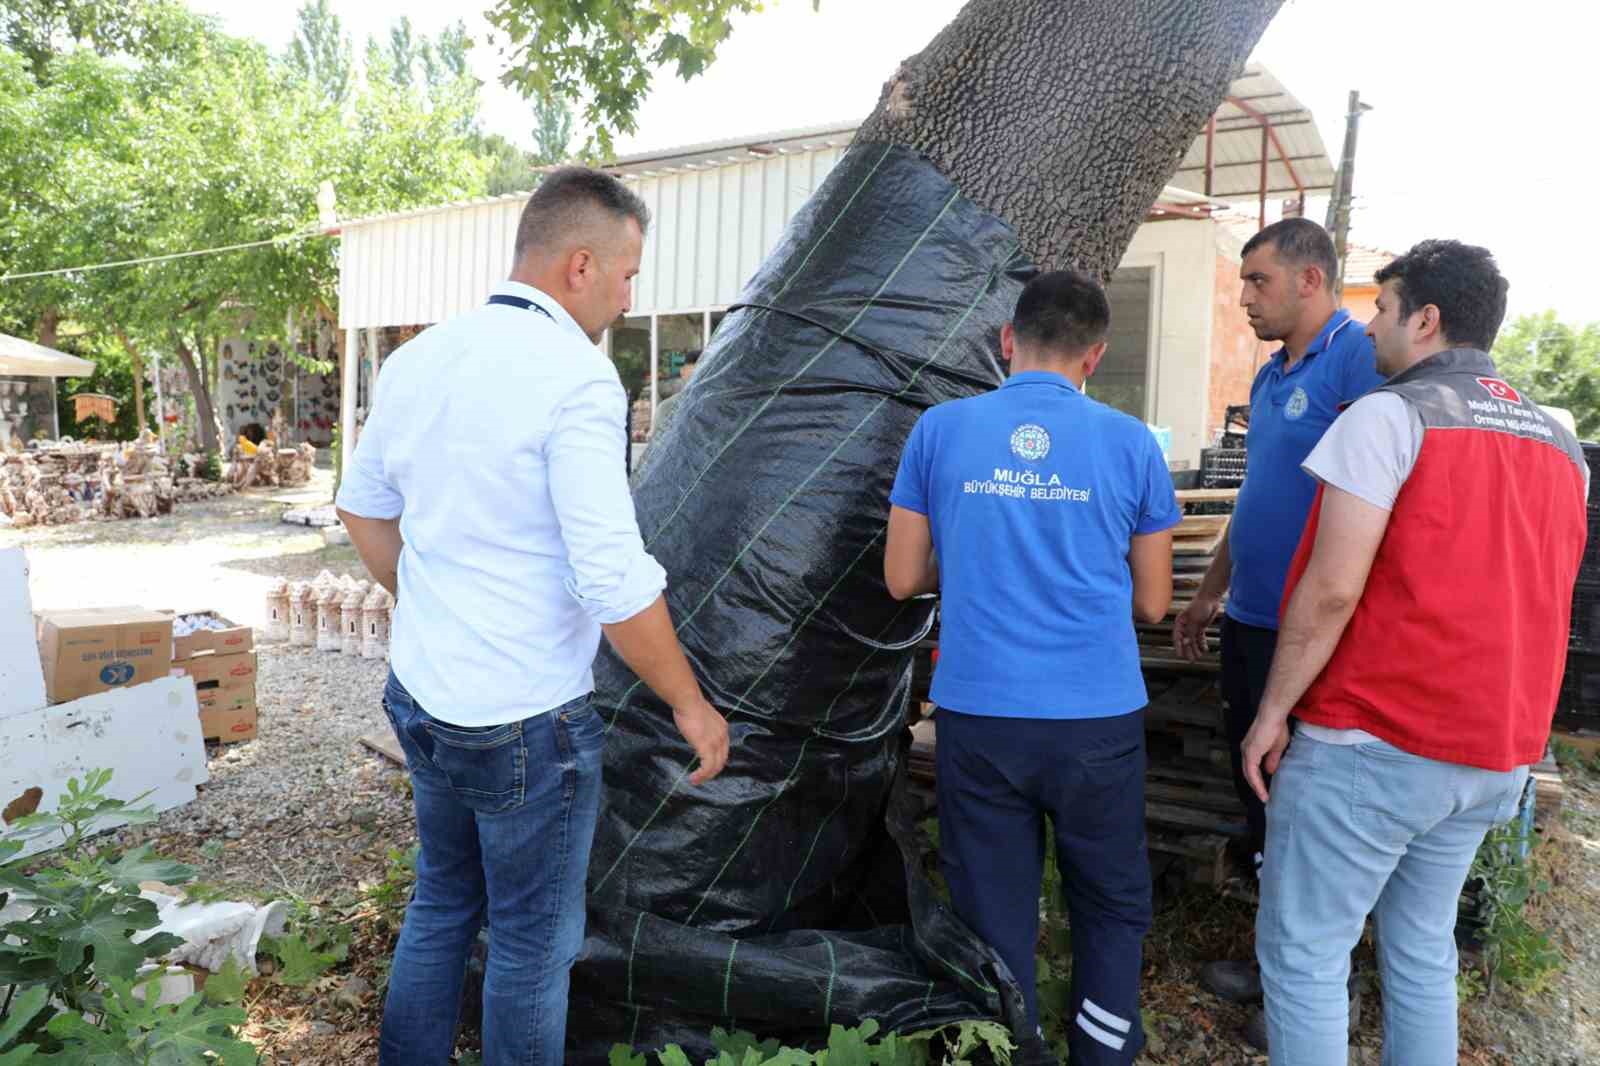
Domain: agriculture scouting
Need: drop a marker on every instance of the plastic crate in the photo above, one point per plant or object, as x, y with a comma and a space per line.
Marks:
1591, 455
1589, 567
1579, 702
1584, 632
1222, 468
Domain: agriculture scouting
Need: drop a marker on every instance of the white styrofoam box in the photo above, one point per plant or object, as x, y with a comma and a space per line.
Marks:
147, 735
21, 676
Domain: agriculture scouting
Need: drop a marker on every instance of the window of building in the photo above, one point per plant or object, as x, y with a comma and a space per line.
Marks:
1123, 380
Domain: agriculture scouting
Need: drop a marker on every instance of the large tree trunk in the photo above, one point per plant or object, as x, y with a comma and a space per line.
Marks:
1065, 119
205, 412
1045, 130
49, 322
137, 362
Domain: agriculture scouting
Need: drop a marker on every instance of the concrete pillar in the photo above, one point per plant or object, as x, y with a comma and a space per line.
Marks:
655, 368
347, 398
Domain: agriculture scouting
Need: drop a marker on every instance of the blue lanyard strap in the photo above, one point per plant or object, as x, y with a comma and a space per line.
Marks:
520, 301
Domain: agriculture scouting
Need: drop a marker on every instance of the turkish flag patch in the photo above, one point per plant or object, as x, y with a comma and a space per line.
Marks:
1500, 390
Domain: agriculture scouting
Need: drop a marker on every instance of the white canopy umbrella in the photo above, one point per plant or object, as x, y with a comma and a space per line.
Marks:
25, 359
20, 358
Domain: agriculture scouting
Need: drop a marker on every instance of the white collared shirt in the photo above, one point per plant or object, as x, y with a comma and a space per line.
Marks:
497, 439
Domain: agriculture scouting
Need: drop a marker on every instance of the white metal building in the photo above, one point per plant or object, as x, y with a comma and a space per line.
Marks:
719, 208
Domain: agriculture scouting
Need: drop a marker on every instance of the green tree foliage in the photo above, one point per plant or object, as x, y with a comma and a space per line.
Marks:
552, 131
514, 169
215, 143
511, 169
603, 52
1557, 362
321, 53
407, 53
38, 30
113, 376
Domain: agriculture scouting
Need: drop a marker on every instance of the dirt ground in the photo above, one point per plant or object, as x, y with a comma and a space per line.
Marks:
325, 824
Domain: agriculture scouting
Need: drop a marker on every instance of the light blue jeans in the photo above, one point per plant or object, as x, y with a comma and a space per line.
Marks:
1368, 829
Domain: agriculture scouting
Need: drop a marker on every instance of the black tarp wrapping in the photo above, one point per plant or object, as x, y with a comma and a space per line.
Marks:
788, 894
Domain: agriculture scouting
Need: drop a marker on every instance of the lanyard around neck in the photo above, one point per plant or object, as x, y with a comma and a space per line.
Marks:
520, 301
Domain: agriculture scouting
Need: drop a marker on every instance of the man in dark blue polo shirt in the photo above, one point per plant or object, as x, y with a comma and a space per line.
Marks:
1043, 519
1326, 361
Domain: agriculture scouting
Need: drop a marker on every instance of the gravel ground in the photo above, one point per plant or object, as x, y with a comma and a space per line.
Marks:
305, 812
287, 813
283, 814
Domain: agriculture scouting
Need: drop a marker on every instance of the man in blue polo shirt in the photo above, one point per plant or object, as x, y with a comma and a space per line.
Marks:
1326, 362
1043, 519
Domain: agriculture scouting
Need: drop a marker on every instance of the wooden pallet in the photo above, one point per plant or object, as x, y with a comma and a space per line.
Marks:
1584, 741
1202, 546
384, 742
1207, 496
1191, 811
1550, 791
1204, 855
1194, 525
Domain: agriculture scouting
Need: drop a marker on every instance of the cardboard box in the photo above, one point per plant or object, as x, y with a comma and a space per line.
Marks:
214, 671
234, 640
228, 715
225, 687
102, 648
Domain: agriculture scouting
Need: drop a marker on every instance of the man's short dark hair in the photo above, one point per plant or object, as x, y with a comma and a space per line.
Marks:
1461, 280
563, 201
1062, 311
1299, 243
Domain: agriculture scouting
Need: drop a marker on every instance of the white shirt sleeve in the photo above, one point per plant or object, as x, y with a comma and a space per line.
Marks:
1369, 450
364, 489
613, 577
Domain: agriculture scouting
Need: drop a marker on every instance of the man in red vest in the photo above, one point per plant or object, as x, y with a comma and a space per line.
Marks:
1422, 642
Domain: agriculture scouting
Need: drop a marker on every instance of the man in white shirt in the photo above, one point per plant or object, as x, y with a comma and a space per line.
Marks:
488, 492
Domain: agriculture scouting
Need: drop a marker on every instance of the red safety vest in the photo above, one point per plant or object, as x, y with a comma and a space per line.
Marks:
1456, 649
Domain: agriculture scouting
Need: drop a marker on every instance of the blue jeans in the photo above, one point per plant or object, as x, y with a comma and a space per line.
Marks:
1368, 829
505, 818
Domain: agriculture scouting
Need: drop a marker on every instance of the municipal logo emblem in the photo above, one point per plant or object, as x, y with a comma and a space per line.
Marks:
1030, 442
1298, 402
1500, 390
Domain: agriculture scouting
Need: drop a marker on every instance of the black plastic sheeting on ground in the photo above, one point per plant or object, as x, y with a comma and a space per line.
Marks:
787, 895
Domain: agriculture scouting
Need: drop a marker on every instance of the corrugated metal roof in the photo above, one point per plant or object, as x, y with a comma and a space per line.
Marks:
719, 207
712, 224
1298, 154
735, 150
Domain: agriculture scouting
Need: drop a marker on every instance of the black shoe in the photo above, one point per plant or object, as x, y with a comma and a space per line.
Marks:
1033, 1051
1236, 982
1255, 1029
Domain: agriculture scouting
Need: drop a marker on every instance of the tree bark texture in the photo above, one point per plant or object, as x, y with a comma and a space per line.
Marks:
1066, 117
787, 894
137, 362
49, 324
205, 413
